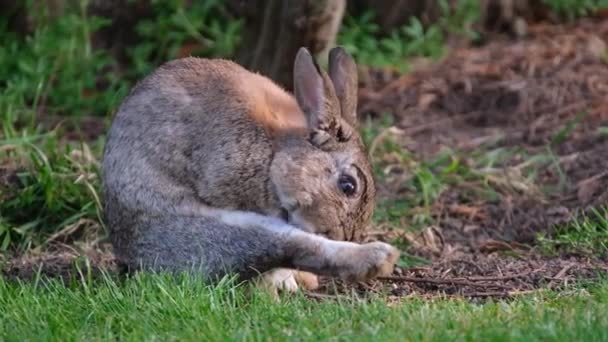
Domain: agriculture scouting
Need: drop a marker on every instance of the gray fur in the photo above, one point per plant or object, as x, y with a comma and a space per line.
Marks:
191, 178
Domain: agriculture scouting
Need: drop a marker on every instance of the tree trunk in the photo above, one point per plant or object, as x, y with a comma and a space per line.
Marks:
15, 14
275, 30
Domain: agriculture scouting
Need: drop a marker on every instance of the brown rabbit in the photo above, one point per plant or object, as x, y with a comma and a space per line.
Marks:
212, 167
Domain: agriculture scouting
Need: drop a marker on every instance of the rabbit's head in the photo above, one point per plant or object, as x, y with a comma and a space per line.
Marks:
324, 182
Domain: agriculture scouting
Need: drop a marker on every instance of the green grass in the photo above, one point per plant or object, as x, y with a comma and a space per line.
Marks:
572, 9
586, 235
58, 190
154, 307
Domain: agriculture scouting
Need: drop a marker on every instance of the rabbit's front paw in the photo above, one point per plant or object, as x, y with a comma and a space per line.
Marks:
368, 261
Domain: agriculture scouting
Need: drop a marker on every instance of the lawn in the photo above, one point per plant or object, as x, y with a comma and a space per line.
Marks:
157, 307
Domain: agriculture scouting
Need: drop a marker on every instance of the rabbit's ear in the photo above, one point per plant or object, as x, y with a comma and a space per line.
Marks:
343, 73
316, 97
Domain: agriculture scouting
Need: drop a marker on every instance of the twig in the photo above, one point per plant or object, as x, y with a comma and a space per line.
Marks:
500, 278
465, 279
442, 281
563, 271
470, 263
559, 276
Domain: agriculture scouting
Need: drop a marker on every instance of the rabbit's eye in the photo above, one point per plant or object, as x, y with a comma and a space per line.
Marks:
348, 185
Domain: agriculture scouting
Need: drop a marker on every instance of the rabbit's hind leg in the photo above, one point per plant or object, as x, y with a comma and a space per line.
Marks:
288, 280
250, 244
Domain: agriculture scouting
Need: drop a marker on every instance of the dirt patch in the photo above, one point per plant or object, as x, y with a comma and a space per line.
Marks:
477, 276
9, 180
61, 261
468, 275
543, 95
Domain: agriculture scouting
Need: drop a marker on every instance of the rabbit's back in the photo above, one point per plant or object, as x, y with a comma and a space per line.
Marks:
222, 87
191, 132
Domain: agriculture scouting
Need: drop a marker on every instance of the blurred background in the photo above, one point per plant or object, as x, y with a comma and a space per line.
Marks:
486, 121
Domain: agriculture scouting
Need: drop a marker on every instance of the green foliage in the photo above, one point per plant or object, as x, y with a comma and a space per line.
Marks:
414, 40
175, 25
572, 9
459, 18
159, 307
55, 70
358, 36
361, 37
586, 235
56, 188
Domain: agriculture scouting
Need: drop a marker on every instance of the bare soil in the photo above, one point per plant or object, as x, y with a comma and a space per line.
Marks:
545, 93
476, 276
513, 94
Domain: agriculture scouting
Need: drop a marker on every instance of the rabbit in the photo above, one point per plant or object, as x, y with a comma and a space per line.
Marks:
211, 168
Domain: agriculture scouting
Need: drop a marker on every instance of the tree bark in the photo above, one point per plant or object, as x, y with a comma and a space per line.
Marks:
14, 14
274, 31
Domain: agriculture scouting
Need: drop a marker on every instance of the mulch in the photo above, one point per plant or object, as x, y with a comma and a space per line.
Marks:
549, 90
476, 277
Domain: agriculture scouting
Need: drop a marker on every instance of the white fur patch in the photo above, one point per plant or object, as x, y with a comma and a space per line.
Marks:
297, 220
235, 217
329, 248
244, 219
